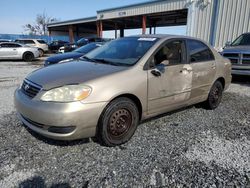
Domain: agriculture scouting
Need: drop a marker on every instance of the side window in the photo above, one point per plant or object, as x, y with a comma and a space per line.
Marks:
7, 45
29, 42
10, 45
199, 52
171, 54
16, 45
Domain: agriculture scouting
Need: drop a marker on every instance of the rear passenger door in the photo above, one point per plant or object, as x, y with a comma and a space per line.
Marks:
203, 65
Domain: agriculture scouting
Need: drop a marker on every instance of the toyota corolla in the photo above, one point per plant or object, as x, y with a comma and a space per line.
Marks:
110, 90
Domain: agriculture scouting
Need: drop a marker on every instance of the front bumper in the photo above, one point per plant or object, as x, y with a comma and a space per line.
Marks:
42, 117
241, 70
36, 54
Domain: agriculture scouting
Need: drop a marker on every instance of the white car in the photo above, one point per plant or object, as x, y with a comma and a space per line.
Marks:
12, 50
40, 44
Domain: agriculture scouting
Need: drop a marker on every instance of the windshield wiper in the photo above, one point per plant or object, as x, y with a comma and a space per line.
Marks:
88, 59
102, 61
110, 62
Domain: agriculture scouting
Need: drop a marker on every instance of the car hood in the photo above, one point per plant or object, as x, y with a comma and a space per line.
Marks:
60, 57
75, 72
237, 49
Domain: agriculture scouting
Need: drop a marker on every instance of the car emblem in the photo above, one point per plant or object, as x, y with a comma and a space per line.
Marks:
26, 87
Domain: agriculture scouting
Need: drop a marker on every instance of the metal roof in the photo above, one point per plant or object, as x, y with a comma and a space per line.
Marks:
75, 21
129, 6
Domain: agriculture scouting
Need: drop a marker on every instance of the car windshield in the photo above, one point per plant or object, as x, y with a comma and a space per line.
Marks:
122, 52
242, 40
87, 48
81, 41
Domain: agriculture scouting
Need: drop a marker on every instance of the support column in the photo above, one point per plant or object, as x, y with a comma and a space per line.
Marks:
150, 30
122, 32
144, 24
77, 32
97, 29
115, 30
71, 33
154, 30
100, 34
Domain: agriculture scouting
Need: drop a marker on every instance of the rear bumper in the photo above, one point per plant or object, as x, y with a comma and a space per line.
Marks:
60, 121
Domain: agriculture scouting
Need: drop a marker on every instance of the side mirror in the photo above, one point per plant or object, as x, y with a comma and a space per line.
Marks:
156, 72
228, 43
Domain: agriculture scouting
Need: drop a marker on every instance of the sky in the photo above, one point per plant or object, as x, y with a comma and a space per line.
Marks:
16, 13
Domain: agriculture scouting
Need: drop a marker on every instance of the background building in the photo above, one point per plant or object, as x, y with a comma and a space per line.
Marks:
215, 21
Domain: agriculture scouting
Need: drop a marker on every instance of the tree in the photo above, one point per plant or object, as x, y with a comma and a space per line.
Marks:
40, 25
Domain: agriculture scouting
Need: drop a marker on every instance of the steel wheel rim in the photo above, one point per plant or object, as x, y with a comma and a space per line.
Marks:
119, 123
215, 96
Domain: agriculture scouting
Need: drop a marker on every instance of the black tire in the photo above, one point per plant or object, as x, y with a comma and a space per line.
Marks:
118, 122
28, 56
41, 52
214, 96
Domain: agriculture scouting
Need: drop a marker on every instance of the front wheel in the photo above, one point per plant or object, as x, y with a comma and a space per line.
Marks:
118, 122
41, 52
214, 96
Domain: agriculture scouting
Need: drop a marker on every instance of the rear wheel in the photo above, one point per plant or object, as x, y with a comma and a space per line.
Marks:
41, 52
118, 122
214, 96
28, 56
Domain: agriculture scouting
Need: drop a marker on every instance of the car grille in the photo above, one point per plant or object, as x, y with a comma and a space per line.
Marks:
30, 89
238, 58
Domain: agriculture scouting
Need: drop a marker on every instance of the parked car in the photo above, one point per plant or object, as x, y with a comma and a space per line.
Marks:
79, 43
69, 56
40, 44
239, 54
12, 50
119, 84
5, 40
55, 45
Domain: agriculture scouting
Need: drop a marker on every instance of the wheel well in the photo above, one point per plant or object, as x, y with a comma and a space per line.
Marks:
222, 81
40, 49
135, 99
28, 52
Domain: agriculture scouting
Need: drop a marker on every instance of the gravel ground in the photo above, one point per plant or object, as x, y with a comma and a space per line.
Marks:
191, 147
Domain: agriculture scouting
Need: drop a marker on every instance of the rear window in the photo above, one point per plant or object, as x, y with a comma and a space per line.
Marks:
41, 41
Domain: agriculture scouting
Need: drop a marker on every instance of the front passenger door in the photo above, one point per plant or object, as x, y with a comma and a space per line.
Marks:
7, 50
169, 77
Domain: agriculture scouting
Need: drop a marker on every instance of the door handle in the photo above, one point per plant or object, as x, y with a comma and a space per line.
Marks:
186, 70
14, 49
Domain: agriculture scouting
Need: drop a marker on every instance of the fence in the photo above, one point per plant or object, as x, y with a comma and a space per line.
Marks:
48, 39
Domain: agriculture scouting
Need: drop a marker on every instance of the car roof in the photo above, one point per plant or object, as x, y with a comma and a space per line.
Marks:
10, 43
29, 39
161, 36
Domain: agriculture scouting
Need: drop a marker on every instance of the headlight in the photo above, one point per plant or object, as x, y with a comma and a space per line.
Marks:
67, 93
66, 60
